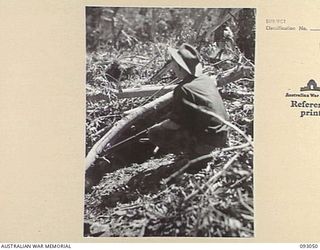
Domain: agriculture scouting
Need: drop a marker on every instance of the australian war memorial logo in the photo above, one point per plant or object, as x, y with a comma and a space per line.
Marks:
306, 101
311, 86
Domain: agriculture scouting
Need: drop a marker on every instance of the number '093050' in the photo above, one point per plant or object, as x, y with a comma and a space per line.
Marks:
308, 245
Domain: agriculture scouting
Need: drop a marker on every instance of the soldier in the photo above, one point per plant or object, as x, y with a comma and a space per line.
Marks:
189, 130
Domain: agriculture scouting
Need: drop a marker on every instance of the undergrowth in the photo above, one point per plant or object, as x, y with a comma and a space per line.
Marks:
215, 202
223, 208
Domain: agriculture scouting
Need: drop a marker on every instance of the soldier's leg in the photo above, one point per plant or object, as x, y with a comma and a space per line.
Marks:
203, 146
169, 136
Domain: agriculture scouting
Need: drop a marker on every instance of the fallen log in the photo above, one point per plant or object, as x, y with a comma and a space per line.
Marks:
159, 90
113, 135
231, 75
144, 91
100, 161
234, 74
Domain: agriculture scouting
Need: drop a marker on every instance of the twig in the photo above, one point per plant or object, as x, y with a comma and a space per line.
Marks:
229, 124
100, 131
107, 116
159, 51
233, 16
221, 61
150, 61
248, 61
113, 78
242, 56
245, 79
242, 202
215, 177
238, 181
242, 146
130, 207
211, 188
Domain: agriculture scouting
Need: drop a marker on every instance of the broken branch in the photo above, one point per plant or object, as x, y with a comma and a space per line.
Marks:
202, 158
215, 177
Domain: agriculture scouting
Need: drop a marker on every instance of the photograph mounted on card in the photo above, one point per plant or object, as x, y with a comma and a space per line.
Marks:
169, 122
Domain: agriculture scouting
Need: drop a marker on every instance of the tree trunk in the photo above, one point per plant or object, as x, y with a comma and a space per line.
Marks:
113, 135
231, 75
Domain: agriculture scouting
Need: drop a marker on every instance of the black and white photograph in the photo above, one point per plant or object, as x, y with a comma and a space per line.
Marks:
169, 124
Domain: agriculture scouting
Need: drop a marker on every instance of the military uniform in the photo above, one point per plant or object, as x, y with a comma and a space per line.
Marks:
189, 130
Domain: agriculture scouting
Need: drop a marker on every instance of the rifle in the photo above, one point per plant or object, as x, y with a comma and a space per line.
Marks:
127, 140
157, 76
